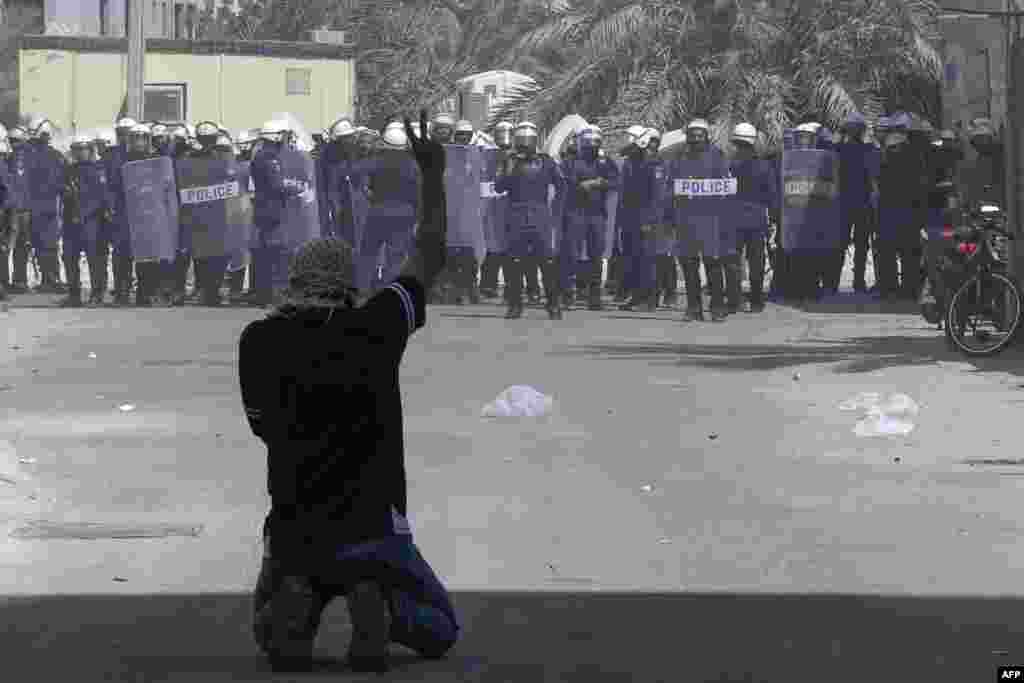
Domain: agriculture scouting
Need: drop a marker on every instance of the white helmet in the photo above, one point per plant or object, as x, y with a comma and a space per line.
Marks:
744, 132
443, 120
811, 128
191, 130
207, 129
3, 132
274, 130
394, 135
80, 141
140, 129
636, 134
108, 136
224, 142
42, 128
126, 124
342, 128
699, 124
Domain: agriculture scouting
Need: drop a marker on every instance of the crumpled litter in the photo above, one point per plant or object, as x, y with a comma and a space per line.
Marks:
893, 416
126, 408
519, 401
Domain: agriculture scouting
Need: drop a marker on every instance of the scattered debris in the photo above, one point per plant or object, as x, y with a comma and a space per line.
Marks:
647, 488
45, 530
665, 541
6, 387
92, 355
27, 461
712, 436
796, 376
120, 579
126, 408
519, 401
891, 417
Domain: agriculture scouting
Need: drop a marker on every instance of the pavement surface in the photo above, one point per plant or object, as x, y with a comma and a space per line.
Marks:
696, 507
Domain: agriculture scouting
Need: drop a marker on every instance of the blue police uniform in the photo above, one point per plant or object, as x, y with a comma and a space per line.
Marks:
532, 231
46, 178
757, 193
903, 190
18, 217
640, 204
698, 222
118, 232
211, 271
587, 215
85, 199
393, 182
857, 164
5, 227
270, 252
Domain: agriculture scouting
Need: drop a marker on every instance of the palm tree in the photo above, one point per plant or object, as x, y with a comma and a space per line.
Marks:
664, 62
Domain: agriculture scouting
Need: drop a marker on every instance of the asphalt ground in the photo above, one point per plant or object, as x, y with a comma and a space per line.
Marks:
696, 507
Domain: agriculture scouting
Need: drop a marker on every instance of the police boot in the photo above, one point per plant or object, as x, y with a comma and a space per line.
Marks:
46, 284
19, 278
532, 283
732, 267
236, 279
126, 282
144, 288
470, 286
513, 270
594, 298
74, 272
552, 293
694, 299
489, 276
5, 266
97, 275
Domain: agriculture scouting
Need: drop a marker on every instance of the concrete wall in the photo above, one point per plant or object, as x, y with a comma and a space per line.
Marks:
85, 90
974, 82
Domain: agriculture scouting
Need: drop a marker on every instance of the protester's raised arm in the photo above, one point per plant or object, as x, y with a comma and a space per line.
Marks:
427, 258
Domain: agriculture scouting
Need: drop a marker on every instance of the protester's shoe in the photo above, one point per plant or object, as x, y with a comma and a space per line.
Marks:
514, 312
371, 628
284, 627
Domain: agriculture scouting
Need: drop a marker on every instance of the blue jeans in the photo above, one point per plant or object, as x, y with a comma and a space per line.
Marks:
423, 617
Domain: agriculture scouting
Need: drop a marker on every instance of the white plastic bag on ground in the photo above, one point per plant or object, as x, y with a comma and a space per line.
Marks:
892, 417
519, 401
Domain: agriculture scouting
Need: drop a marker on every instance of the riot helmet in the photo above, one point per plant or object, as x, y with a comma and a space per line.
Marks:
274, 132
698, 133
161, 137
442, 129
744, 134
394, 136
636, 138
525, 138
653, 140
42, 131
805, 136
139, 140
17, 135
122, 128
503, 134
463, 133
207, 133
571, 146
342, 129
81, 149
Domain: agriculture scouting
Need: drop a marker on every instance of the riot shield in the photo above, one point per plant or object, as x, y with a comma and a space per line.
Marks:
702, 197
94, 186
563, 129
810, 200
463, 164
493, 204
214, 205
17, 191
240, 221
300, 220
151, 208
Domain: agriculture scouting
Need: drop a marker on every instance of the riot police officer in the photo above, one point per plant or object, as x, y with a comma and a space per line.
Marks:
85, 202
463, 133
442, 129
5, 213
46, 177
903, 189
699, 228
526, 178
244, 140
666, 270
756, 194
857, 183
589, 181
987, 178
117, 232
639, 217
149, 274
17, 210
270, 253
493, 262
392, 181
161, 139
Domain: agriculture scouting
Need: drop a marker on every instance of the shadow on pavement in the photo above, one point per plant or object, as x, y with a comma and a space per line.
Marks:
854, 355
538, 636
